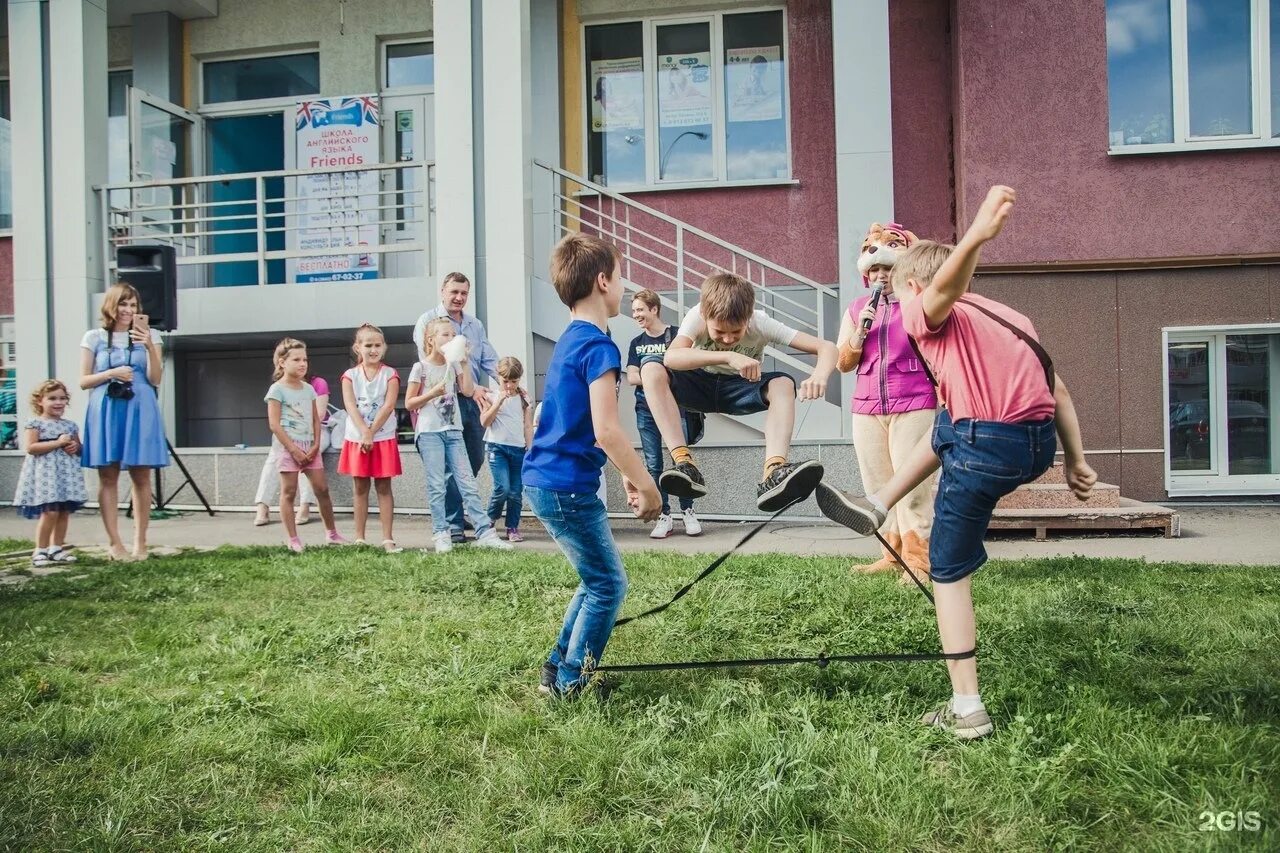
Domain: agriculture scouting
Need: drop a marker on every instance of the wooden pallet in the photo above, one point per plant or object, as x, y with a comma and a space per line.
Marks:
1130, 515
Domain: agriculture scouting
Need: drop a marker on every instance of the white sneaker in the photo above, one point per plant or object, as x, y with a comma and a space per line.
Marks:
692, 527
444, 543
490, 539
663, 528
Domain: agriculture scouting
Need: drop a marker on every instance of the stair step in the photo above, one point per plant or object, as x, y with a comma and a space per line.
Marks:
1055, 474
1057, 496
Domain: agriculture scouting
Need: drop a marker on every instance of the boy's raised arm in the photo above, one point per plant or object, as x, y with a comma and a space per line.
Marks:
952, 280
616, 445
815, 387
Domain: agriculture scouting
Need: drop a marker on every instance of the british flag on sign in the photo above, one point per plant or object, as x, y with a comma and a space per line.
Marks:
367, 108
311, 113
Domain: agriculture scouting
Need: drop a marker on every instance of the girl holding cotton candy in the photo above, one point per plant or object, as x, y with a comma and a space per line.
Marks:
434, 385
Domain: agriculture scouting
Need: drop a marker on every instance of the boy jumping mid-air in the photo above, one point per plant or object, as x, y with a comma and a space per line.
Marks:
1003, 405
713, 365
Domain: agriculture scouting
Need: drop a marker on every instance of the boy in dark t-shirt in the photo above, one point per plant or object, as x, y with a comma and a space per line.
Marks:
651, 345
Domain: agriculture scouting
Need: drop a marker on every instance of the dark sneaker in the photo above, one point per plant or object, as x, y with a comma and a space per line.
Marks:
457, 537
857, 514
547, 679
599, 686
787, 484
683, 481
970, 726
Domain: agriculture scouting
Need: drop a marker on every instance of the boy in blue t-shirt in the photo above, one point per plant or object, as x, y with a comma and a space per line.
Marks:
577, 430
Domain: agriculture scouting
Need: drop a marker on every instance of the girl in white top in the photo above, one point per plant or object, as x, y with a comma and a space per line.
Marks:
509, 418
369, 452
434, 385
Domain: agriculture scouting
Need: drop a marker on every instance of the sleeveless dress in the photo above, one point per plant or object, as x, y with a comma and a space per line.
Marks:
128, 433
53, 481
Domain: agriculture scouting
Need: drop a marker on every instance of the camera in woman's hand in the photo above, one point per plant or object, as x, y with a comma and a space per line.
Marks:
118, 390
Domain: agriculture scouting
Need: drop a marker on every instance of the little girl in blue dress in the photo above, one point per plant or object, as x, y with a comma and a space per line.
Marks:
51, 485
121, 366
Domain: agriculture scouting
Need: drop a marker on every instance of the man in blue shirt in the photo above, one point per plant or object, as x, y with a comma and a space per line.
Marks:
454, 294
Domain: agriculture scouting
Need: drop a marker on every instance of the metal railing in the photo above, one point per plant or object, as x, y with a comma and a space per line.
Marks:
258, 219
672, 258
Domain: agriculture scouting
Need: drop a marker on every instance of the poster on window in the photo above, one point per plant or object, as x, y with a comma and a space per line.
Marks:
337, 209
753, 77
684, 89
617, 94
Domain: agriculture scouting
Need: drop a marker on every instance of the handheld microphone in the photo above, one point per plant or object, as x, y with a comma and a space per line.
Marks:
875, 303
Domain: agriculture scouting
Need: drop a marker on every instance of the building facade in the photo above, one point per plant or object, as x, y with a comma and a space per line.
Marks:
761, 137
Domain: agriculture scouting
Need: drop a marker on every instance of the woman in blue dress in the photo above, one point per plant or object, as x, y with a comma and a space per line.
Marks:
121, 367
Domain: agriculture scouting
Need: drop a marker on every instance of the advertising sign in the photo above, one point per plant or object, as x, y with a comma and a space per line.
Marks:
684, 89
337, 210
617, 94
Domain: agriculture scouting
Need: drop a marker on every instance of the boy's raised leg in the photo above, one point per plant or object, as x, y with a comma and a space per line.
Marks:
865, 515
783, 483
683, 479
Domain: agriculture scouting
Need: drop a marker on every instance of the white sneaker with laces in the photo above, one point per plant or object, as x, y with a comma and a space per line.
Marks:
444, 542
692, 527
663, 528
491, 539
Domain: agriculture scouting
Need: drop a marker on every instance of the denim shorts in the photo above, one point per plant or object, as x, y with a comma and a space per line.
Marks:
722, 393
982, 461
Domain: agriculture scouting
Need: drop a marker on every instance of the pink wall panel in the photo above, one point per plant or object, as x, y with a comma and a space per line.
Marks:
1033, 114
794, 226
921, 80
6, 275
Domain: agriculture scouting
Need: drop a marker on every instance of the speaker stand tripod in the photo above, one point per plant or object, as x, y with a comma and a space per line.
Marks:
158, 497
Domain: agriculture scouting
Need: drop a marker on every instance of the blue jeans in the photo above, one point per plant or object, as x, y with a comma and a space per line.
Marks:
651, 443
579, 525
982, 461
505, 462
444, 456
473, 437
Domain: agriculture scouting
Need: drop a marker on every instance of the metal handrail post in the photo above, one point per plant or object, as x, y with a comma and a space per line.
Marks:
680, 270
260, 204
103, 208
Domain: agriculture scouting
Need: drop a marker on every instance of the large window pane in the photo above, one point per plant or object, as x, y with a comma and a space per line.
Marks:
685, 145
1251, 364
1139, 72
1219, 67
1190, 408
262, 77
755, 96
410, 65
118, 83
6, 159
1275, 68
615, 104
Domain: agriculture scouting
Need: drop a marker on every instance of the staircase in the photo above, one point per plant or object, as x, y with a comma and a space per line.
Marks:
672, 258
1048, 504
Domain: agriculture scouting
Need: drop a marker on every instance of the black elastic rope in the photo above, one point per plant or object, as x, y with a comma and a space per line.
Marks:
820, 660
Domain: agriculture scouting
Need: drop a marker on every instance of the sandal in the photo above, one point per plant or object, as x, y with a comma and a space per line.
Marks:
60, 554
390, 546
117, 554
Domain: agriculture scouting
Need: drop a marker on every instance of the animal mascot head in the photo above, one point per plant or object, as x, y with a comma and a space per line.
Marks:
882, 246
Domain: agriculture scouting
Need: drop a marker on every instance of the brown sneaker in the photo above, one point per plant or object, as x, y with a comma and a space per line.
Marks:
968, 727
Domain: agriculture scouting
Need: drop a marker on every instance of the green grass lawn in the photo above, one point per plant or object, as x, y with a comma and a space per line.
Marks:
246, 699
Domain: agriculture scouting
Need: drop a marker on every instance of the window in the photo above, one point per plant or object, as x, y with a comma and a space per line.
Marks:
118, 83
409, 64
259, 77
1223, 427
1188, 74
688, 100
6, 160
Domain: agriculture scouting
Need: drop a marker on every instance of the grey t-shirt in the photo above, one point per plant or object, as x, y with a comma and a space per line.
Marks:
297, 409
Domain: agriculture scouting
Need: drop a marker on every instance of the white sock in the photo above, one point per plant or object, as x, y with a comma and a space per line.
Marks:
962, 705
878, 504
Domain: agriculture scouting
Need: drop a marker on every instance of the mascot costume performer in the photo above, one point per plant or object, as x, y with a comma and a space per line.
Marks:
894, 403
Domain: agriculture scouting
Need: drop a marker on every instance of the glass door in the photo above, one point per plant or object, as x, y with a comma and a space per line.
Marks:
165, 144
408, 136
1223, 427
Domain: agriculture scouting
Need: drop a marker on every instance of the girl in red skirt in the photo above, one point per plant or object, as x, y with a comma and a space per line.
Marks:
370, 451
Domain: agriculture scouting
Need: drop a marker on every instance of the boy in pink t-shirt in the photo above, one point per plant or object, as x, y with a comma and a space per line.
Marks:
1003, 405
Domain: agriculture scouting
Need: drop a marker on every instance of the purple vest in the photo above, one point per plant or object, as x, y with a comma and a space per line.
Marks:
891, 379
